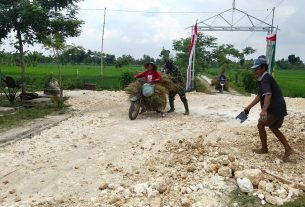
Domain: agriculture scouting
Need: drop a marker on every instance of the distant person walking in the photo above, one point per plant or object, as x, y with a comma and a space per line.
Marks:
273, 108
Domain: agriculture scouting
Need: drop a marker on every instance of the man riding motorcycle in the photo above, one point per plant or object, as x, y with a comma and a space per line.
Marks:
222, 79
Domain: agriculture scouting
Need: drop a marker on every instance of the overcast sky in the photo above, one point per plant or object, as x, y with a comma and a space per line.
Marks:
139, 33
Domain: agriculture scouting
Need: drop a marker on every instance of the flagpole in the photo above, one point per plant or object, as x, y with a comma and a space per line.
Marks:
193, 68
102, 49
187, 87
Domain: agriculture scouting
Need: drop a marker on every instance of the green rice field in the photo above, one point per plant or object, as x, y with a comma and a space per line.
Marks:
74, 76
292, 82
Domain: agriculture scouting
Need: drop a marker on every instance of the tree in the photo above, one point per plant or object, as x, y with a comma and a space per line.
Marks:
224, 52
33, 20
33, 58
164, 55
245, 52
203, 53
146, 59
109, 59
124, 60
74, 54
293, 60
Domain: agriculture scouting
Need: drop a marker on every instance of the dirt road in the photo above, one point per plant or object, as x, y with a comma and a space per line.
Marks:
67, 164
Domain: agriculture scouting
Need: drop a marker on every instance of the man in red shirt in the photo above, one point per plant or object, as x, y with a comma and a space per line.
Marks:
151, 74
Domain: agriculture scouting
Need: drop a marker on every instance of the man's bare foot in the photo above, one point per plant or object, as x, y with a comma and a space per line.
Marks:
287, 155
260, 151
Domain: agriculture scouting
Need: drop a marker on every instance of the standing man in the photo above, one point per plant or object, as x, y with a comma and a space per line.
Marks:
176, 76
273, 108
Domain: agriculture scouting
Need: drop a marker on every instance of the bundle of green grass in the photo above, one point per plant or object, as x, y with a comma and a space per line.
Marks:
158, 100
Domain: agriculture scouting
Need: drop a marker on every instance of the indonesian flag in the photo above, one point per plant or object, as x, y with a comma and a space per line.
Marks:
192, 52
271, 40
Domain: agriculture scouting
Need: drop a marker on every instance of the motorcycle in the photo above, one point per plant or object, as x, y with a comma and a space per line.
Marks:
222, 83
135, 107
137, 100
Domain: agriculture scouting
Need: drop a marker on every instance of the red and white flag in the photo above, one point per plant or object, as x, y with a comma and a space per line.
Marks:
271, 38
192, 51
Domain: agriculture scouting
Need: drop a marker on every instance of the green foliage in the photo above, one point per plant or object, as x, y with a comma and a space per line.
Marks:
164, 55
291, 82
249, 81
203, 54
126, 79
35, 21
9, 87
60, 101
37, 76
244, 200
124, 60
296, 203
73, 54
23, 115
201, 86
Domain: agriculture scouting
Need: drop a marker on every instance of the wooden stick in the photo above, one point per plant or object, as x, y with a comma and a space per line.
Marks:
283, 180
7, 174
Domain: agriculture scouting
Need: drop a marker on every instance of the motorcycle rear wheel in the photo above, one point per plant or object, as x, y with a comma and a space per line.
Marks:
134, 110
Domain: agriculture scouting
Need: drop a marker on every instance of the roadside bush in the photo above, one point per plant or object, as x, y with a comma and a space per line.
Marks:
202, 86
126, 78
249, 81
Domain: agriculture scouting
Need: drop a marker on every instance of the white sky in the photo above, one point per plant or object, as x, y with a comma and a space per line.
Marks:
146, 33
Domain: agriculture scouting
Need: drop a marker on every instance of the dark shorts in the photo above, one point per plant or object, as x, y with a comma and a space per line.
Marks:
272, 121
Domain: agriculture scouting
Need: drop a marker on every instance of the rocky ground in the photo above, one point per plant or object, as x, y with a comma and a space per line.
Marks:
98, 157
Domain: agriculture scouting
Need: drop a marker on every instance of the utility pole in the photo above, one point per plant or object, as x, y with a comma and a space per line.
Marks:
102, 51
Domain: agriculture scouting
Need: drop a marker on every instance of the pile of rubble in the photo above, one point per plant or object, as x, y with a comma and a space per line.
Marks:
185, 174
268, 187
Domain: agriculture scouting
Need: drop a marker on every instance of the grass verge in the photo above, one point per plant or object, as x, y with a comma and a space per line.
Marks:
23, 115
243, 200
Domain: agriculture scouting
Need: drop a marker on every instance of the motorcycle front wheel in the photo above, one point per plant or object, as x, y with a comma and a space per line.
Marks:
134, 110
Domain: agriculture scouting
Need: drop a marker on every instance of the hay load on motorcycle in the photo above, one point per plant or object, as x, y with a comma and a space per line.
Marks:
149, 91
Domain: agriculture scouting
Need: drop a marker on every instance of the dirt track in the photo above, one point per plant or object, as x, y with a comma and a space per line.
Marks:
65, 165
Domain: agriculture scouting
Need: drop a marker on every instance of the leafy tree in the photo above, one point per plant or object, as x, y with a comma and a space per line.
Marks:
224, 52
164, 55
245, 52
33, 58
293, 60
124, 60
146, 59
74, 54
204, 55
109, 59
31, 21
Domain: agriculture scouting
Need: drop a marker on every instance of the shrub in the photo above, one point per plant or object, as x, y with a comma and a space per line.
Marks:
202, 86
126, 78
249, 81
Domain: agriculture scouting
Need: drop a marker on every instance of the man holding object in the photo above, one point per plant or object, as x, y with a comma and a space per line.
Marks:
273, 108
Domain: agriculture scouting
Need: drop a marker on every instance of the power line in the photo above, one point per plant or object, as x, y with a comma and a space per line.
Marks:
160, 12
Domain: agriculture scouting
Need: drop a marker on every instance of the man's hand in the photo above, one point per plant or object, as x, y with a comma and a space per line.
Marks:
263, 116
247, 109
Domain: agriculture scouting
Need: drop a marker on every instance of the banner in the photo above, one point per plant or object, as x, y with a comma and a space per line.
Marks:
271, 42
190, 69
